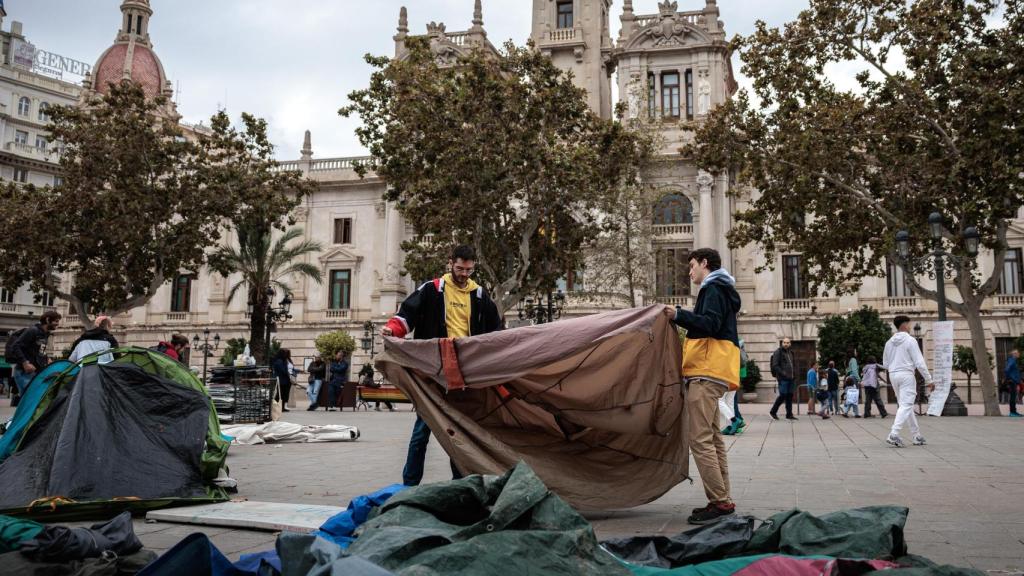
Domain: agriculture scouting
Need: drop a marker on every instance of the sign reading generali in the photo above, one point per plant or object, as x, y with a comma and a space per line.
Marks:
26, 55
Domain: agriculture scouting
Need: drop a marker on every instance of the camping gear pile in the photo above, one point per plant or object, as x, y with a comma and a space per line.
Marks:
92, 439
513, 524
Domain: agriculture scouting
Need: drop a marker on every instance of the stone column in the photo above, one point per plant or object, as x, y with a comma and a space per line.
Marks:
706, 223
391, 286
723, 216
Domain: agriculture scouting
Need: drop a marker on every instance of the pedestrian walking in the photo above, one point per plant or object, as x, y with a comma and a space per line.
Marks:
711, 365
900, 359
812, 386
453, 306
736, 423
1012, 372
832, 381
317, 374
784, 371
336, 385
870, 379
27, 351
95, 340
851, 398
852, 367
282, 370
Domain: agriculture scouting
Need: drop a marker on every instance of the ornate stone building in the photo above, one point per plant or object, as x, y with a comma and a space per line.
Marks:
671, 67
26, 153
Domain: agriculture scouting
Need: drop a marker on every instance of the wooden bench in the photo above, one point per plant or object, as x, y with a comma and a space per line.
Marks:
384, 393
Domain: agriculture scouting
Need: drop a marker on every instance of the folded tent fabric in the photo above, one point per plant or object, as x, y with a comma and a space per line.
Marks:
726, 537
63, 544
593, 405
341, 528
869, 532
13, 531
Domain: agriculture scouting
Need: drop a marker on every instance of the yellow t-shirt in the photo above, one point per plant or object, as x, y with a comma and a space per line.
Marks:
457, 307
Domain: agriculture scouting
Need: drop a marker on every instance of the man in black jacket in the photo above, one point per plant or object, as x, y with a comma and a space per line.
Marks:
28, 353
784, 371
452, 306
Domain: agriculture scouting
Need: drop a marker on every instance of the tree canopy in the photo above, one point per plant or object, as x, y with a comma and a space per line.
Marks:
932, 123
139, 203
500, 151
862, 331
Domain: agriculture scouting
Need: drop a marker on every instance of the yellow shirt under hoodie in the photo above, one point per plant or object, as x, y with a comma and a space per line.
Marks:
457, 307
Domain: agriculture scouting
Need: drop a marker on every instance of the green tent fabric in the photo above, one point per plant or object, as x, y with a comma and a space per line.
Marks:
4, 363
483, 525
870, 532
14, 531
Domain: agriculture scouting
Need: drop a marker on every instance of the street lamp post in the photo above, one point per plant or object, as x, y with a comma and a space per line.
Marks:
280, 314
206, 346
367, 341
540, 311
935, 265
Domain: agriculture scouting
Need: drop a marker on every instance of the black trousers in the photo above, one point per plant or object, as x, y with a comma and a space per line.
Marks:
871, 395
788, 399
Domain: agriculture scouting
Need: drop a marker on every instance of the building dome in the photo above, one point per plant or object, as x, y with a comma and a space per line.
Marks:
132, 56
133, 61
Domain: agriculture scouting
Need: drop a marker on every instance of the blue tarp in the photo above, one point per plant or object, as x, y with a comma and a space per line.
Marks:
37, 388
197, 555
340, 527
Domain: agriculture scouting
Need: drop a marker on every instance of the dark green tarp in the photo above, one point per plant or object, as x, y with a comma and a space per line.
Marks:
873, 532
483, 525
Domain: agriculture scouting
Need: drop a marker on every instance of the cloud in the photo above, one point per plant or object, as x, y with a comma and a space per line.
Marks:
294, 62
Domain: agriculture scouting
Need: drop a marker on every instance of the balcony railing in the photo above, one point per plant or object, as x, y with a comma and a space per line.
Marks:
675, 230
1010, 300
178, 316
692, 18
338, 314
902, 302
329, 164
565, 35
27, 150
684, 301
25, 309
798, 304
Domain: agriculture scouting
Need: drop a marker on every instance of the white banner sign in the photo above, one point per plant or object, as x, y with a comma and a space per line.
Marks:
942, 366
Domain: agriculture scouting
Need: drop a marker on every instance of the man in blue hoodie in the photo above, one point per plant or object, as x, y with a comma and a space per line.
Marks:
711, 367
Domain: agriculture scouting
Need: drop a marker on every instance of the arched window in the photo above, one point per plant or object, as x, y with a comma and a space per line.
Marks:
673, 209
43, 116
24, 104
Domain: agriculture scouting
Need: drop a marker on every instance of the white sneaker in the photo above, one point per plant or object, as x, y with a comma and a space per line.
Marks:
919, 441
895, 441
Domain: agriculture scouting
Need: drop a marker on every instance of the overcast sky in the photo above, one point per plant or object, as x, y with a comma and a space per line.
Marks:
294, 61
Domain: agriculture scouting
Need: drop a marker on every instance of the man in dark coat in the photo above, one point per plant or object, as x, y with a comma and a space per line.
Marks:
452, 306
784, 372
28, 352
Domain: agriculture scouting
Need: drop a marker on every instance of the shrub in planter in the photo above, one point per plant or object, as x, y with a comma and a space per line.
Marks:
753, 377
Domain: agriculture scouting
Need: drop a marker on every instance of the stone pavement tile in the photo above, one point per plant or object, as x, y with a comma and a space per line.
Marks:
235, 541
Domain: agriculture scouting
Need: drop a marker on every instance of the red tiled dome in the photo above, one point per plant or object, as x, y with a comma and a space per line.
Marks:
145, 69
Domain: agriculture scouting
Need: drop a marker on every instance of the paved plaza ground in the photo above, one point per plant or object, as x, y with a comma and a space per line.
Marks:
965, 489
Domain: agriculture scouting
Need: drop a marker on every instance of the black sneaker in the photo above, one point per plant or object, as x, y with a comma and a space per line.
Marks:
791, 417
774, 415
712, 513
699, 510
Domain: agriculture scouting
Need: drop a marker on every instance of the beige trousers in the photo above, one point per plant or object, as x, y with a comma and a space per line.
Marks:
706, 442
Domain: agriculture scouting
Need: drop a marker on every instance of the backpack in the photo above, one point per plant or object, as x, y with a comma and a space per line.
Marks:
9, 345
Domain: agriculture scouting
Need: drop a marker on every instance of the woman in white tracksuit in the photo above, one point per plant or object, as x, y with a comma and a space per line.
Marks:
900, 359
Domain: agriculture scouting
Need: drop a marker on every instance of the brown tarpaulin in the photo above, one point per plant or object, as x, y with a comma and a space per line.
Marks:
594, 405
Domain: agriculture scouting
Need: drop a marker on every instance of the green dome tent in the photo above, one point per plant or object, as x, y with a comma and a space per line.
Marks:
137, 433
